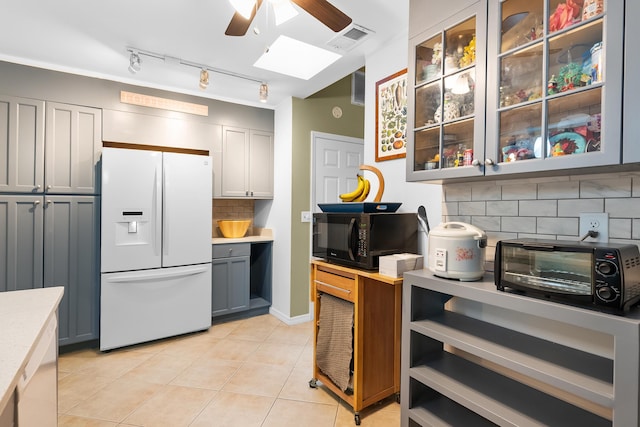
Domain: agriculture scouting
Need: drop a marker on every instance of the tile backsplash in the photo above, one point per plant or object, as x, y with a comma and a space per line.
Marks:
231, 209
547, 208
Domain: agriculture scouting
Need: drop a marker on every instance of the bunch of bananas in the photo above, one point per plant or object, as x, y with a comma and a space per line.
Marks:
360, 193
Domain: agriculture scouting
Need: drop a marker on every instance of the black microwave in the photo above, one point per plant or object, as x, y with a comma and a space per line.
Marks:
595, 275
359, 239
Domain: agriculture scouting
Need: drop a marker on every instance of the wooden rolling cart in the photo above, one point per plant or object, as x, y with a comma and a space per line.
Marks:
377, 304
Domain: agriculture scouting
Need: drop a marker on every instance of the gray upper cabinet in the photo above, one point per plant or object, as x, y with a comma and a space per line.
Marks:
73, 145
247, 164
554, 85
48, 147
71, 260
21, 145
552, 95
631, 104
446, 82
21, 242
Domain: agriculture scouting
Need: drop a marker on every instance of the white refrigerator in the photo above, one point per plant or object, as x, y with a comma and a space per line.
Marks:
155, 245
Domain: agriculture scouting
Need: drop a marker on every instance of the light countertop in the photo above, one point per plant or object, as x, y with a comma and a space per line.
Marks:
259, 235
23, 316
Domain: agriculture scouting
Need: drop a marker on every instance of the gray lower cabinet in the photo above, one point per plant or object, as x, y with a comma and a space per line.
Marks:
230, 278
475, 356
53, 241
21, 242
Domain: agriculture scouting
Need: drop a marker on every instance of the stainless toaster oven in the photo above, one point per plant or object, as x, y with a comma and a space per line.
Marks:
595, 275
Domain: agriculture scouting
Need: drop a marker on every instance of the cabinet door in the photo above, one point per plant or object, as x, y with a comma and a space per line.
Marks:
73, 143
230, 285
447, 97
21, 145
261, 165
71, 260
235, 152
554, 85
21, 236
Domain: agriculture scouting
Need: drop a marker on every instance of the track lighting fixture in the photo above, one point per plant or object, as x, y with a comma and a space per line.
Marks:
134, 62
134, 66
264, 92
204, 79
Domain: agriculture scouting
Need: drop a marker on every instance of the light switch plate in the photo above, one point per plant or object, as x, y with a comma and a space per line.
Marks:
305, 216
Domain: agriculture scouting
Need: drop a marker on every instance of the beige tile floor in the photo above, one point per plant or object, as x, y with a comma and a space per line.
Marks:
244, 373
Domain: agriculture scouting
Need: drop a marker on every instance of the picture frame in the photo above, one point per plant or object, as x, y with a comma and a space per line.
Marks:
391, 117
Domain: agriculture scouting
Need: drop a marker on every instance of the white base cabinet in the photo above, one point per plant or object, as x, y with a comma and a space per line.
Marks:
472, 355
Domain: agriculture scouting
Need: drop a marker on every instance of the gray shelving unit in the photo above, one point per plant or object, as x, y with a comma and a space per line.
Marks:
472, 355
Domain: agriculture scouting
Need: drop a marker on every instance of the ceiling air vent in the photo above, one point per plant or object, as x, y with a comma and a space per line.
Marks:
349, 37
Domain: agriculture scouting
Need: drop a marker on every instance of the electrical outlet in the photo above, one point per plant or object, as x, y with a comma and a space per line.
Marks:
597, 222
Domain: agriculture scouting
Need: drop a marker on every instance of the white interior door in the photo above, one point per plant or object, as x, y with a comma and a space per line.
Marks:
336, 160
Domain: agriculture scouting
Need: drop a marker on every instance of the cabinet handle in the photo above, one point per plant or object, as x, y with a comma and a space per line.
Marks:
49, 187
38, 187
246, 193
488, 162
252, 193
48, 202
36, 202
475, 162
333, 287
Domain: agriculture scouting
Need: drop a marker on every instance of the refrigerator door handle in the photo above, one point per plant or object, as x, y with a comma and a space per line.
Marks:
162, 274
157, 205
165, 211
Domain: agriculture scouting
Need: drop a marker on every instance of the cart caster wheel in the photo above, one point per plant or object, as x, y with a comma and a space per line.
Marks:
357, 419
313, 383
397, 397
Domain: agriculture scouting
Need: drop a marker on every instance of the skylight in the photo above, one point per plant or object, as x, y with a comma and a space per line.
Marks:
295, 58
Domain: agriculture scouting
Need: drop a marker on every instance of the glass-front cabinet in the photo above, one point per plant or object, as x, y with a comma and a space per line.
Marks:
446, 98
554, 85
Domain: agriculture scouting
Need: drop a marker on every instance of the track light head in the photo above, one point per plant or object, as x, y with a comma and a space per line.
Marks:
204, 79
264, 92
134, 63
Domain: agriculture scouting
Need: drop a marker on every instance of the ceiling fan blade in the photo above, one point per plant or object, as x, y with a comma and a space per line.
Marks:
239, 24
326, 13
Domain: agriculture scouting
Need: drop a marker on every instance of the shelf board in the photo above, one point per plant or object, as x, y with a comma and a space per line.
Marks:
258, 302
497, 398
579, 373
443, 412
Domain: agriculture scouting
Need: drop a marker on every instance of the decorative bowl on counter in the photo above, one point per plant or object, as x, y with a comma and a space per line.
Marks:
233, 228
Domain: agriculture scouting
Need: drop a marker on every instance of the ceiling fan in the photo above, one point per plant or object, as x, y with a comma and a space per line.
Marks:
322, 10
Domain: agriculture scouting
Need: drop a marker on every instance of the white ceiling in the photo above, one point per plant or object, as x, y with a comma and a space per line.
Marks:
91, 38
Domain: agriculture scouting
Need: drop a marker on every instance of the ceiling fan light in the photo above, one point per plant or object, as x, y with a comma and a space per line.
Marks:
204, 79
283, 10
134, 63
243, 7
264, 92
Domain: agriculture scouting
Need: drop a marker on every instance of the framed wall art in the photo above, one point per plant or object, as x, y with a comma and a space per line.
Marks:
391, 117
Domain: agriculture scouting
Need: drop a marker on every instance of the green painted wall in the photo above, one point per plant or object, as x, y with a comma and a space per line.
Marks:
314, 114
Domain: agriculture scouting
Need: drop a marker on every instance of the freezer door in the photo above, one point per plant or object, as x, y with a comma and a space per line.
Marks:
187, 209
131, 209
140, 306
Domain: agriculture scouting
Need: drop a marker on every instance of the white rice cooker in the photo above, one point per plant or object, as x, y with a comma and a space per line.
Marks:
456, 251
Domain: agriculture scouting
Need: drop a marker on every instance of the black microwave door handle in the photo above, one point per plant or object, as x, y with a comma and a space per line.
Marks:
352, 225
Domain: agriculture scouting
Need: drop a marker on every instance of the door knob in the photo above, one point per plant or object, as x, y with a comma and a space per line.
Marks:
475, 162
36, 202
488, 162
